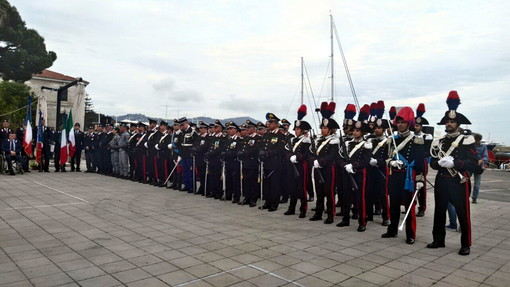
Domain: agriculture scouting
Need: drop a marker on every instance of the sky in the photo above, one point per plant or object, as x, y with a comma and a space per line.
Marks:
167, 58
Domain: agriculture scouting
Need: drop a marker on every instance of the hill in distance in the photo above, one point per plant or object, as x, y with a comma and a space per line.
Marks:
208, 120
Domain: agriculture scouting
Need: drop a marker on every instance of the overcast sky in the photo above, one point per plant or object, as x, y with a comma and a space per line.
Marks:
237, 58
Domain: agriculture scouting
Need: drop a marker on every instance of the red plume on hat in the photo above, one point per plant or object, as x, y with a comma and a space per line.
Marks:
350, 111
420, 110
453, 100
301, 112
327, 110
393, 112
363, 113
406, 114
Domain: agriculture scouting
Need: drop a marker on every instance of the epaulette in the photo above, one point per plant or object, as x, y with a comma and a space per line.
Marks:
368, 145
334, 141
419, 140
307, 140
468, 140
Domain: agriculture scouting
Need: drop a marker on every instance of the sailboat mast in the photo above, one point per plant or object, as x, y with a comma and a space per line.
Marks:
302, 80
332, 61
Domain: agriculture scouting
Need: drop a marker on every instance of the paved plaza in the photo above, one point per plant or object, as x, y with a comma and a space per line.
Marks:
80, 229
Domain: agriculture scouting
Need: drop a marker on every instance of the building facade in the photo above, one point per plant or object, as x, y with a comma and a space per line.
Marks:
47, 98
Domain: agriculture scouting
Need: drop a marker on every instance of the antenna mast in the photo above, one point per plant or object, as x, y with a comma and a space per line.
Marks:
302, 80
332, 62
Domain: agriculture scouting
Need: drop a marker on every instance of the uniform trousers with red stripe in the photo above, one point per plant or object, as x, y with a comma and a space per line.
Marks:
298, 187
449, 189
355, 196
399, 196
325, 190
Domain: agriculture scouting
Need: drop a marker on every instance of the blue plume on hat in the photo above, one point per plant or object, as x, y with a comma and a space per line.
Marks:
453, 100
379, 110
301, 112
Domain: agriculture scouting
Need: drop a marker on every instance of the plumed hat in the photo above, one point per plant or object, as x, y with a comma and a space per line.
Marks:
420, 110
327, 110
299, 123
453, 102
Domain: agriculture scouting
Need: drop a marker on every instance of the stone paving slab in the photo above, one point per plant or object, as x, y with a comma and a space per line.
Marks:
80, 229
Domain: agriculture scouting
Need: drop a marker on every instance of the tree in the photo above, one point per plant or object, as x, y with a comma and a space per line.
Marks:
14, 96
90, 115
22, 50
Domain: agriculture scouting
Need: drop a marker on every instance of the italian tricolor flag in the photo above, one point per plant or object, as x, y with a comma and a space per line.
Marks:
70, 130
63, 144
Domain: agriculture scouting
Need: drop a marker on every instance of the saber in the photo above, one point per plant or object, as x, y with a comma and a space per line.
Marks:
173, 169
241, 197
224, 185
206, 175
313, 180
261, 182
408, 209
194, 178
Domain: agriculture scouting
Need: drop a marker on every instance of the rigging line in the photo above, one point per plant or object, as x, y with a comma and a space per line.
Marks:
353, 91
12, 112
325, 77
311, 103
310, 85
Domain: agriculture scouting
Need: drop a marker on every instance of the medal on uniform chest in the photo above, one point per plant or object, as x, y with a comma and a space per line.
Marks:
251, 142
274, 140
233, 145
216, 144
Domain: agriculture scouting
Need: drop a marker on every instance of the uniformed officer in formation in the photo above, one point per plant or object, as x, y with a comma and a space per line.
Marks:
454, 157
369, 169
419, 122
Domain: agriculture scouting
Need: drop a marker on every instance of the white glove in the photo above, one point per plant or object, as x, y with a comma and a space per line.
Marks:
396, 163
293, 159
373, 162
316, 164
156, 146
419, 185
449, 164
349, 168
145, 145
446, 162
170, 146
179, 158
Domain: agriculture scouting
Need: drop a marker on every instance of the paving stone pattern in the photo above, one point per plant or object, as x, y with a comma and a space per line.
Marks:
79, 229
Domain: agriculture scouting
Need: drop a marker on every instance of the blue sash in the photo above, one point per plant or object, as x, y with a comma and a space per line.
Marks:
409, 184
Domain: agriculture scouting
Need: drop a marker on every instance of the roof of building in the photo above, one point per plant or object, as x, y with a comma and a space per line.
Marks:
54, 75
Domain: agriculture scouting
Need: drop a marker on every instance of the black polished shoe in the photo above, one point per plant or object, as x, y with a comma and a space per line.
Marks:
271, 209
343, 223
253, 204
315, 218
410, 240
209, 195
370, 218
464, 251
435, 245
362, 228
388, 235
385, 222
302, 214
420, 213
235, 200
289, 212
328, 220
264, 206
